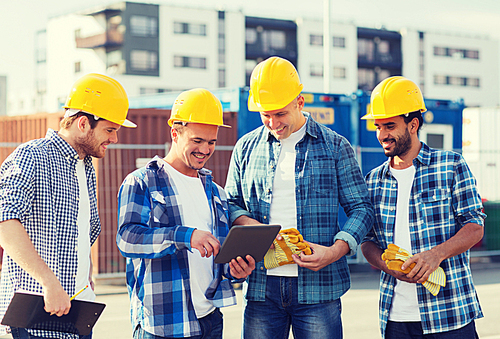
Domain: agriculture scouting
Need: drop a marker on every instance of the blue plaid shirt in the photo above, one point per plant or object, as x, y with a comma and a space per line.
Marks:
326, 174
152, 237
39, 187
443, 199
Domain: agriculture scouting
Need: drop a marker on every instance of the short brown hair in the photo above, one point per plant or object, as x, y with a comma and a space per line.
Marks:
68, 121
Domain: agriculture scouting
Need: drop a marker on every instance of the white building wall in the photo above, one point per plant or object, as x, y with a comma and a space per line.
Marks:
235, 49
410, 52
485, 68
62, 55
310, 56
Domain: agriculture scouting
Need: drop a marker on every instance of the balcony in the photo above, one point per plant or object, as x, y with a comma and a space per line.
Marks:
111, 38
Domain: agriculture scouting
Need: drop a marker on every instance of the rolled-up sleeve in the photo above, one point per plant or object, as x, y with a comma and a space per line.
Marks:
16, 185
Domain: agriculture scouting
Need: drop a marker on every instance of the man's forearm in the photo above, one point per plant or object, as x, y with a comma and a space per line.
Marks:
373, 255
464, 239
17, 244
245, 220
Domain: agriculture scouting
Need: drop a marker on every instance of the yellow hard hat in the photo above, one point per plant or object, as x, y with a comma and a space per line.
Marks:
395, 96
274, 83
197, 106
101, 96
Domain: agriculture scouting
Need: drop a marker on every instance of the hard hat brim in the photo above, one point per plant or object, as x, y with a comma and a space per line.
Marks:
128, 123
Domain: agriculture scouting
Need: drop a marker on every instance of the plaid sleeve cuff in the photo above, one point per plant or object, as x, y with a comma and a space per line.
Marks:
349, 239
182, 237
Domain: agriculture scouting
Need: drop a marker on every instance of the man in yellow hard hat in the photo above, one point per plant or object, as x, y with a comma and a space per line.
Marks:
172, 220
294, 172
48, 203
426, 202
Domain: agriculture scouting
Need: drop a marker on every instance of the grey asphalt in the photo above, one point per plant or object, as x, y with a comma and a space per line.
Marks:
359, 306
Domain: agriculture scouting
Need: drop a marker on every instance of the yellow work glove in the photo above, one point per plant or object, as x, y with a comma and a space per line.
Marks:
394, 256
292, 242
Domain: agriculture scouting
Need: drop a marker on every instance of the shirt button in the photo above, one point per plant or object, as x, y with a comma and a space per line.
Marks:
265, 217
393, 185
262, 268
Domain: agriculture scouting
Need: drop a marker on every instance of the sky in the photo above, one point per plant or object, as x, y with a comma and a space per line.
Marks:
21, 19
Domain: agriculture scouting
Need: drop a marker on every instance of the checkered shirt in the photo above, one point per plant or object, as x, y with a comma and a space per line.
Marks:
444, 198
326, 174
39, 187
152, 237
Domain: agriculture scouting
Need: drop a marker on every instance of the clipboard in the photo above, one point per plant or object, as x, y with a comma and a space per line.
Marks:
27, 311
249, 239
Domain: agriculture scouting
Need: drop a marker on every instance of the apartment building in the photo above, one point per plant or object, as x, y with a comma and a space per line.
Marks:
451, 66
154, 48
148, 48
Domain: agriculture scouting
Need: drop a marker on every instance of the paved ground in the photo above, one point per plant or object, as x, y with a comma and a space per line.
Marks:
360, 306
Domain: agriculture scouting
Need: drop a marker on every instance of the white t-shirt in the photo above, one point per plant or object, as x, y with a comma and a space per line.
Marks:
195, 213
83, 249
283, 209
405, 302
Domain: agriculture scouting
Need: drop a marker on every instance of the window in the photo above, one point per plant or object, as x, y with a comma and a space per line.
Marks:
141, 60
251, 36
190, 62
144, 26
366, 79
316, 40
339, 72
339, 41
188, 28
78, 67
222, 77
440, 80
316, 70
273, 39
472, 54
456, 53
439, 51
366, 49
473, 82
456, 81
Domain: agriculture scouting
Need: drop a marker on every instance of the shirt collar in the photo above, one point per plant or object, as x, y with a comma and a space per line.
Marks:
423, 157
158, 163
64, 147
311, 128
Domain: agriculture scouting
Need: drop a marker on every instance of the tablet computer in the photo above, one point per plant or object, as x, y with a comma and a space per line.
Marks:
249, 239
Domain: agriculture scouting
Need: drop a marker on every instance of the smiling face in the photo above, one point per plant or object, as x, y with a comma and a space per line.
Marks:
394, 136
283, 122
192, 146
94, 142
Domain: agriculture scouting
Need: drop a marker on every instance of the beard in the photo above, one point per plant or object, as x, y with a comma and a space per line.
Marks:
90, 146
402, 145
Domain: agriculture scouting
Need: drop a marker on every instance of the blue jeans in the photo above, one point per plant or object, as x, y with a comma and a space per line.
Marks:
21, 333
272, 318
413, 330
211, 328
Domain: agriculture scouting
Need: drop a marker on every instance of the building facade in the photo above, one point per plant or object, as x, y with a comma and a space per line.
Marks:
154, 48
